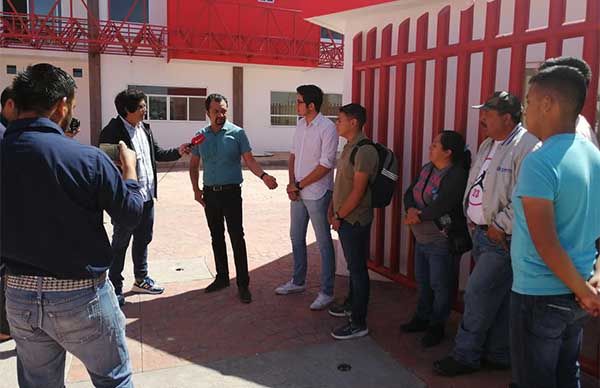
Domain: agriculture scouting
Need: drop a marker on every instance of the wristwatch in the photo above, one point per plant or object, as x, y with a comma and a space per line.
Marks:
297, 184
337, 217
262, 176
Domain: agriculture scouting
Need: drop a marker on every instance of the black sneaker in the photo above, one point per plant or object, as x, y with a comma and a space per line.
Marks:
434, 336
495, 365
415, 325
349, 331
450, 367
147, 286
340, 310
245, 295
217, 285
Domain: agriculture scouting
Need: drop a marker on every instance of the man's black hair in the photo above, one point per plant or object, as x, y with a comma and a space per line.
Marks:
577, 63
7, 94
215, 97
128, 101
355, 111
40, 87
565, 82
311, 94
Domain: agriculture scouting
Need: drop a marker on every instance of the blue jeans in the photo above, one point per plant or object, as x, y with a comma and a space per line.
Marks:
355, 241
316, 211
545, 335
87, 323
436, 275
483, 331
142, 236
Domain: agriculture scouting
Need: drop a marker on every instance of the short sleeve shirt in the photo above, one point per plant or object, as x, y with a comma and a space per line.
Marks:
221, 154
566, 171
366, 160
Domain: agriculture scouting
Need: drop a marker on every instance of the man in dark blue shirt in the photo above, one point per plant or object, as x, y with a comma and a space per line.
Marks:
53, 243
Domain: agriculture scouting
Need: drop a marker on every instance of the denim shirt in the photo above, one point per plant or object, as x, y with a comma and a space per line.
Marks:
53, 194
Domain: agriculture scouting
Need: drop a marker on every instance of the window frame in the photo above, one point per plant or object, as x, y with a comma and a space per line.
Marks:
168, 110
271, 115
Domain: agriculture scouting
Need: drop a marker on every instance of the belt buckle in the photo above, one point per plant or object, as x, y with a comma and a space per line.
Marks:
217, 188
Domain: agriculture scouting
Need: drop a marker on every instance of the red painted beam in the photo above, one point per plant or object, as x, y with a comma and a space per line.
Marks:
463, 76
591, 54
554, 43
519, 51
356, 74
490, 55
382, 132
370, 82
399, 118
418, 122
441, 72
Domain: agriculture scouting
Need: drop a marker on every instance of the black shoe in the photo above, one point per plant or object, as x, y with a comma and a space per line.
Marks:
349, 331
245, 295
495, 365
450, 367
121, 299
434, 335
340, 310
415, 325
217, 285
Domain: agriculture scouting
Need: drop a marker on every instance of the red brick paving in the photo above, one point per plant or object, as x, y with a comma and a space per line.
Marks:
185, 325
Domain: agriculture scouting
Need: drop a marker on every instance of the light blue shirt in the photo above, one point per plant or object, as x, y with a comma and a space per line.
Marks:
143, 167
221, 154
566, 171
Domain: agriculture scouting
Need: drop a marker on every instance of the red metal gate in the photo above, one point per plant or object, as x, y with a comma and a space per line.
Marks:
388, 247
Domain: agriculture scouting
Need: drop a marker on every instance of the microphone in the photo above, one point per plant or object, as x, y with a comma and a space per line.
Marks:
197, 140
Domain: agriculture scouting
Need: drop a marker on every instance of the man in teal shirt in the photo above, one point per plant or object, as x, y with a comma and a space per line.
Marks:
221, 146
557, 223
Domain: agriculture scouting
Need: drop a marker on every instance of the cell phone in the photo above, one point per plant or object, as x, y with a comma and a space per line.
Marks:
112, 150
74, 125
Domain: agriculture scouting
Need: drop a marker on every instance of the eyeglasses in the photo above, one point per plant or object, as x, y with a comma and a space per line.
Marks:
300, 102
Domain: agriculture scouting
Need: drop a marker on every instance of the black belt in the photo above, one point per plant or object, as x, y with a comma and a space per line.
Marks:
221, 188
482, 227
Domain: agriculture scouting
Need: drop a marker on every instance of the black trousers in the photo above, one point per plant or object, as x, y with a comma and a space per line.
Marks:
226, 207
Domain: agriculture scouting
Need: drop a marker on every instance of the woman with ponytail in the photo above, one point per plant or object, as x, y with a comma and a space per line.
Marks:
434, 212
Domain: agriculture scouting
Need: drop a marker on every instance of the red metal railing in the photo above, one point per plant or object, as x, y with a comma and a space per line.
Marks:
274, 44
389, 246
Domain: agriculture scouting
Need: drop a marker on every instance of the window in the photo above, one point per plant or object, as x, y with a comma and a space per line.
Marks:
131, 10
174, 103
325, 33
11, 69
283, 107
78, 73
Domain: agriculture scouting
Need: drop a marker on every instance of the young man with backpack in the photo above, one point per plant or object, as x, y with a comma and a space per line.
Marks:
351, 215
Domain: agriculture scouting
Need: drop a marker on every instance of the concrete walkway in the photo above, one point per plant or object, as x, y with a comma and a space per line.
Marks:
186, 338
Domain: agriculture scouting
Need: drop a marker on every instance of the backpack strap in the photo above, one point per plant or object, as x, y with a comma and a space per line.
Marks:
357, 146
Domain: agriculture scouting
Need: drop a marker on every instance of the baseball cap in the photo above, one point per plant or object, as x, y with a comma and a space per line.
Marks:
503, 102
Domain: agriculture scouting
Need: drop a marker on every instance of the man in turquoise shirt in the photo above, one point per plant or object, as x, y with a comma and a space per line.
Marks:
557, 223
221, 146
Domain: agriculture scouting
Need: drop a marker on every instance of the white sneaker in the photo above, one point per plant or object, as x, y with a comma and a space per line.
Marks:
289, 288
321, 302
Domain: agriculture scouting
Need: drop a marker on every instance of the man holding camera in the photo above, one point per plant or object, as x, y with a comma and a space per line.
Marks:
53, 195
129, 127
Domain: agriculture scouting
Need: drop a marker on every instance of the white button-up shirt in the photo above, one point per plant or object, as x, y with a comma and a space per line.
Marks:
313, 145
143, 167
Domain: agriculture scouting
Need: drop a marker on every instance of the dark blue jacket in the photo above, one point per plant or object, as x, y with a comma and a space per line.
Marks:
53, 191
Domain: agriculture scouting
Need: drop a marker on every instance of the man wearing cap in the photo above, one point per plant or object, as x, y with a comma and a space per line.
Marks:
483, 335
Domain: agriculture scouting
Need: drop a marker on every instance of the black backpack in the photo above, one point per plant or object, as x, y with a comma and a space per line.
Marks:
384, 184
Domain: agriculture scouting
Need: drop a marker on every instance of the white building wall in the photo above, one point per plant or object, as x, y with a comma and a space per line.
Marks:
259, 81
66, 61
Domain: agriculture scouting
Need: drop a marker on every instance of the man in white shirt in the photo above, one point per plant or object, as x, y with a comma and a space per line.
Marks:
311, 164
582, 126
